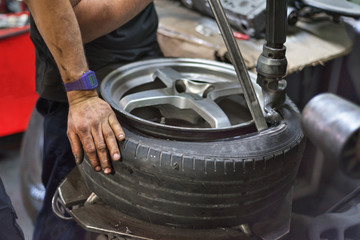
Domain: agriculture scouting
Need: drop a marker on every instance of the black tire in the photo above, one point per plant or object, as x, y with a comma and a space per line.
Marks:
202, 184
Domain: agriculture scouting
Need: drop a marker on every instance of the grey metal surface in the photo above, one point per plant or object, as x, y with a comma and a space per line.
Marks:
333, 125
184, 93
340, 226
239, 65
276, 24
58, 207
340, 7
184, 90
345, 201
272, 63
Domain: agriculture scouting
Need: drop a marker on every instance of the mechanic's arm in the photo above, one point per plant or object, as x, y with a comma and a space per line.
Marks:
97, 18
91, 122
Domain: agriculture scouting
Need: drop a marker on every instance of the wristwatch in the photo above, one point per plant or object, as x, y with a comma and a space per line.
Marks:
87, 81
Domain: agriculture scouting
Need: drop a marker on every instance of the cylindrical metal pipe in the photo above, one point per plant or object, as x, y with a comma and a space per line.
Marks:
276, 22
333, 125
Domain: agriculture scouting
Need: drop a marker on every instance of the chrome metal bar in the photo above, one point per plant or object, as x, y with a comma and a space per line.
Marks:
239, 65
276, 23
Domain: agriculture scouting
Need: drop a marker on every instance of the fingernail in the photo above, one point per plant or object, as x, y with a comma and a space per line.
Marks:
98, 168
116, 156
107, 170
121, 135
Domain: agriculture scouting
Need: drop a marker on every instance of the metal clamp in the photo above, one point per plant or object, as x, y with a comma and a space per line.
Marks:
59, 208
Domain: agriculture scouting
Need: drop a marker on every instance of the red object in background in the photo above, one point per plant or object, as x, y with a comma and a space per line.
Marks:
241, 36
17, 80
2, 6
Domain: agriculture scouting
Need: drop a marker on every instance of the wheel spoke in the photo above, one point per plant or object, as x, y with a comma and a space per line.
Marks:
168, 76
145, 99
211, 112
224, 89
190, 98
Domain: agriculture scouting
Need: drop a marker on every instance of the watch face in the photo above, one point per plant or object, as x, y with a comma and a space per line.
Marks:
92, 80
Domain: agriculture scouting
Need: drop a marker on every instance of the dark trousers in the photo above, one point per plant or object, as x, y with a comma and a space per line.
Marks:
9, 229
58, 161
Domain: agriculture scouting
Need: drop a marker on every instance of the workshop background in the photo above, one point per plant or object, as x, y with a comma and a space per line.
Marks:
323, 52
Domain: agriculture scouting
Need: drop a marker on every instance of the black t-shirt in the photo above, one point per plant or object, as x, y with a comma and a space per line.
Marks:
133, 41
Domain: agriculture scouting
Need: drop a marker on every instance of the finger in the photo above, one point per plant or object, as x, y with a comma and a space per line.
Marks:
76, 147
90, 150
101, 150
111, 142
116, 127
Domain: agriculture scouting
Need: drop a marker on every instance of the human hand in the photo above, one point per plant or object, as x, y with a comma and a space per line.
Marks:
74, 3
93, 126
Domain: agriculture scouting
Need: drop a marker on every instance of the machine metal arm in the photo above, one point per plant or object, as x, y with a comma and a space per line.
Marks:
272, 62
239, 65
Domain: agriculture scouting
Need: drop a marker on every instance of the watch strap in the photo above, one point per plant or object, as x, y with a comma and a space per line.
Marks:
87, 81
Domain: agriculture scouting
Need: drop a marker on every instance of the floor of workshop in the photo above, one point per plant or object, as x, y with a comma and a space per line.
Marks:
10, 175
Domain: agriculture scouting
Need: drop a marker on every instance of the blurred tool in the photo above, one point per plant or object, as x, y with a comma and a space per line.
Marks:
349, 8
243, 15
333, 125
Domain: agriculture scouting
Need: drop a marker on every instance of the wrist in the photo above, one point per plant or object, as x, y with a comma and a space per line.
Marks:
73, 75
75, 97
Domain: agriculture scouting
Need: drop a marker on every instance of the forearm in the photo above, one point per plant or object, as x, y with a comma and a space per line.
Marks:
56, 21
97, 18
92, 125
